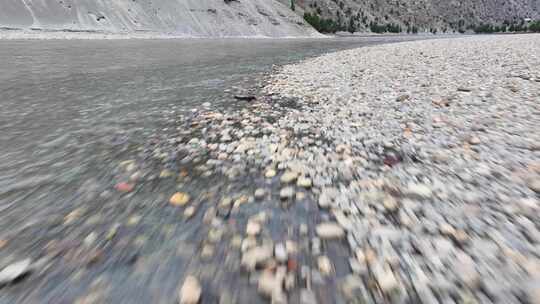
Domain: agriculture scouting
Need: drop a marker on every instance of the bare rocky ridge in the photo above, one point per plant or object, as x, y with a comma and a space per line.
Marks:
426, 15
200, 18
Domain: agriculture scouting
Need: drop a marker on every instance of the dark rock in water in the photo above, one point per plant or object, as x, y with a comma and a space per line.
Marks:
245, 97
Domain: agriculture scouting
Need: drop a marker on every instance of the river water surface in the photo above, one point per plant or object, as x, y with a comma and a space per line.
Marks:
71, 111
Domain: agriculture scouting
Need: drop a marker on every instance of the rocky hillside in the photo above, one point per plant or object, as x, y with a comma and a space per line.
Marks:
422, 15
205, 18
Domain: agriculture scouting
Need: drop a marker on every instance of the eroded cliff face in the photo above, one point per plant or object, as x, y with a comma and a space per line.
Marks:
199, 18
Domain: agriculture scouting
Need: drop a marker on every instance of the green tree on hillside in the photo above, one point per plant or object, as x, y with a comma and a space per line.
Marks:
351, 28
535, 26
321, 24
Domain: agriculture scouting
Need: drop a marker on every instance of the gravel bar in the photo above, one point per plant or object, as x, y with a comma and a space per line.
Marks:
430, 161
421, 160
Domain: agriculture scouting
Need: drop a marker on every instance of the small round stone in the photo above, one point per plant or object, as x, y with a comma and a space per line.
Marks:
190, 293
303, 182
189, 212
286, 193
253, 228
534, 184
259, 193
474, 140
179, 199
280, 252
330, 230
288, 177
270, 173
324, 264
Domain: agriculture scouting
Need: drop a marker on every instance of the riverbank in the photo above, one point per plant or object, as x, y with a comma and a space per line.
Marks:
39, 34
428, 158
422, 158
19, 34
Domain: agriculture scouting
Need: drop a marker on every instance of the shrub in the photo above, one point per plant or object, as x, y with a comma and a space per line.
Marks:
321, 24
507, 26
384, 28
484, 29
351, 28
535, 26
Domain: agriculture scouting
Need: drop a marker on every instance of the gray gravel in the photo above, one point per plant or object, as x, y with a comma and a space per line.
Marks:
402, 173
428, 153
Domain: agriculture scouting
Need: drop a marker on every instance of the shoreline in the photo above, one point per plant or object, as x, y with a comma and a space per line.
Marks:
7, 33
417, 164
22, 34
419, 150
413, 179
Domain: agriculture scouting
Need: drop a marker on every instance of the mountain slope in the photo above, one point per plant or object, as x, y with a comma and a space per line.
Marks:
204, 18
450, 15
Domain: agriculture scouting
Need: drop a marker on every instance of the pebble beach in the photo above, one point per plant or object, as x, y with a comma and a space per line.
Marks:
423, 161
430, 163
